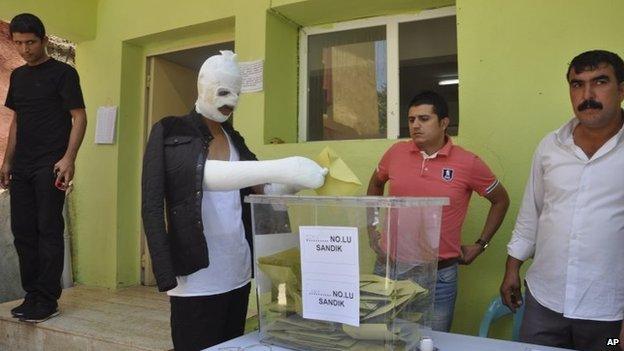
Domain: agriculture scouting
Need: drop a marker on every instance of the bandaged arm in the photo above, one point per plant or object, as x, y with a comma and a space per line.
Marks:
296, 172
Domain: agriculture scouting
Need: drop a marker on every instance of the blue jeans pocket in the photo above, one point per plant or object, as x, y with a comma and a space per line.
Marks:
448, 275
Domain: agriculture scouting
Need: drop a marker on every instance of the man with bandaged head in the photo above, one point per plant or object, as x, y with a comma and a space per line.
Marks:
196, 171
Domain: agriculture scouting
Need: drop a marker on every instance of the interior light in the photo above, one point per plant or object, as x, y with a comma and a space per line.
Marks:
448, 82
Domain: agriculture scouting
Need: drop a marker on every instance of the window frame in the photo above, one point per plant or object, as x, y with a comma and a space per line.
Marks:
392, 60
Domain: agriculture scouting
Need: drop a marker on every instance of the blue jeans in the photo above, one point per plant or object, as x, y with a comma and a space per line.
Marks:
445, 292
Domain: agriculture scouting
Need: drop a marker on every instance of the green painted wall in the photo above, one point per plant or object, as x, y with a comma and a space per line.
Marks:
512, 59
281, 91
121, 47
328, 11
70, 19
513, 56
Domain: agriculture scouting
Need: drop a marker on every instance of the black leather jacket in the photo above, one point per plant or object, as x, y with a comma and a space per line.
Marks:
173, 171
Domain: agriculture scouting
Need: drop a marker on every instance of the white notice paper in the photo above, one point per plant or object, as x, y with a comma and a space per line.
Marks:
330, 273
105, 125
252, 73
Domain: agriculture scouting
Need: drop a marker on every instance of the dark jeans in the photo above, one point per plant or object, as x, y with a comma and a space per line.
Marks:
37, 225
199, 322
543, 326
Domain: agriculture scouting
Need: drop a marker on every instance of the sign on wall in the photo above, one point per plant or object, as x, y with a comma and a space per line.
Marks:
105, 125
252, 73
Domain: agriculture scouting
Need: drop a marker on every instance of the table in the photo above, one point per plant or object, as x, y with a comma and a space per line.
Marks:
443, 341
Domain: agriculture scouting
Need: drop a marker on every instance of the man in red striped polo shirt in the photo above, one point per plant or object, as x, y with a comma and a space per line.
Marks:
430, 165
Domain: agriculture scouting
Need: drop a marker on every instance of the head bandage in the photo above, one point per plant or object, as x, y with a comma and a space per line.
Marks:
218, 84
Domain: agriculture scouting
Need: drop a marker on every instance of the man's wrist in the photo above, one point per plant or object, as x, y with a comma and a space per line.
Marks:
7, 162
373, 218
483, 243
70, 156
512, 266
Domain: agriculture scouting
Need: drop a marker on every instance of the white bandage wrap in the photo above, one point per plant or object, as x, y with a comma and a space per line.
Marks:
280, 189
218, 83
296, 172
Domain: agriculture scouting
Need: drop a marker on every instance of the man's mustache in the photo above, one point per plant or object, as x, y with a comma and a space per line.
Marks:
589, 104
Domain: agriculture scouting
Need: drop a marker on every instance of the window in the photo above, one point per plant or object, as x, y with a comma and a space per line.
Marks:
357, 78
347, 84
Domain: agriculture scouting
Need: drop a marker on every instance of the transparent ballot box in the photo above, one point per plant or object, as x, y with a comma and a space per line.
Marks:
345, 273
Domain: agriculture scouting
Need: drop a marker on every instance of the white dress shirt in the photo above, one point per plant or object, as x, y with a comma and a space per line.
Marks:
572, 223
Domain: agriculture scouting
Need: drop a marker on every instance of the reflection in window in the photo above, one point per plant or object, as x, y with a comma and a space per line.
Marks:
428, 61
347, 84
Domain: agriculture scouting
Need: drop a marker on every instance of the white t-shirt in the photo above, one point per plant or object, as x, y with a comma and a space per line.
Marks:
228, 250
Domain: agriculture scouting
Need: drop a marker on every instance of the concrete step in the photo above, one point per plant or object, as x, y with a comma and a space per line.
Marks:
94, 319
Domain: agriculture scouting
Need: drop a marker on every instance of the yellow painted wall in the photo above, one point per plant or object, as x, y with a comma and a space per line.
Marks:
512, 59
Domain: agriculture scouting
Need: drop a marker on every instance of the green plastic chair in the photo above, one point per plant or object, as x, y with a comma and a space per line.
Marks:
496, 310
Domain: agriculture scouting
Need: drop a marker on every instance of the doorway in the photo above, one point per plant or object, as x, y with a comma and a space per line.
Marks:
171, 90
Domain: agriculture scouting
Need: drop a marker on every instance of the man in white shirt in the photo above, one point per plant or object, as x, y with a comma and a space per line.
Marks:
571, 221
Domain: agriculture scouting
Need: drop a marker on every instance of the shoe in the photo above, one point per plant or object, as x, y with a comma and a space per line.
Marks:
39, 313
20, 310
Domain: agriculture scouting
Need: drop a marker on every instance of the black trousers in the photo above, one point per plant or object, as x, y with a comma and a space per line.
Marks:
202, 321
37, 225
543, 326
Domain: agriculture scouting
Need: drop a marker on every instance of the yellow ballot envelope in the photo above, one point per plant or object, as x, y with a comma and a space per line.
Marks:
340, 179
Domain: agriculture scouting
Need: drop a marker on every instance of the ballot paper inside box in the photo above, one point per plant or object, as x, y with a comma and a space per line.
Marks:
345, 273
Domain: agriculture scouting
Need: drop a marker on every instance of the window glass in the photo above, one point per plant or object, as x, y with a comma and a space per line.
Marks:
428, 61
347, 84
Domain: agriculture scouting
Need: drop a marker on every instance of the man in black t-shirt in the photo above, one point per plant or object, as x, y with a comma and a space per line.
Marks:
49, 122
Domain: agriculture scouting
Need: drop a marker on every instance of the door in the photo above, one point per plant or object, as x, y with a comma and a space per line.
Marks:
171, 90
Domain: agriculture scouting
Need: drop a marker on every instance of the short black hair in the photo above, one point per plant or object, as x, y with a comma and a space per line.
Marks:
428, 97
27, 23
590, 60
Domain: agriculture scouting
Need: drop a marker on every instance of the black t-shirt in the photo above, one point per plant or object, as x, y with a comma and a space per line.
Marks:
42, 97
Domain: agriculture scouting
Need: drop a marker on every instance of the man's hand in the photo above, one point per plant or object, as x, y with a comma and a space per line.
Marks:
469, 253
64, 171
5, 175
510, 291
374, 240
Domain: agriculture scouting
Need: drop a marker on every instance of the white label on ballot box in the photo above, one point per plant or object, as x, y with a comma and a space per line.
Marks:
330, 271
